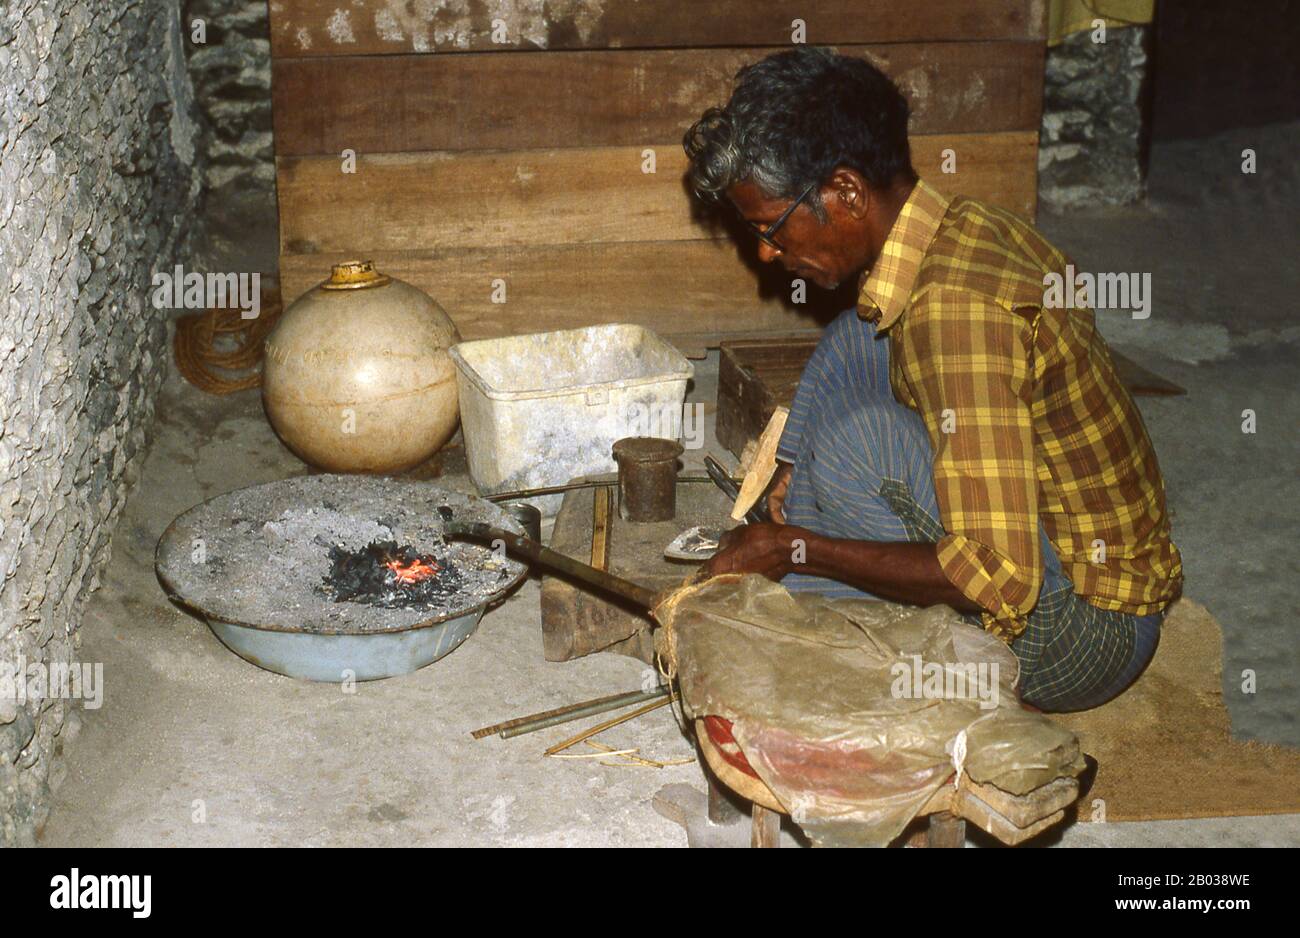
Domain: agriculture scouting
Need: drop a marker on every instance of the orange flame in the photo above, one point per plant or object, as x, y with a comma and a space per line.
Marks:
412, 572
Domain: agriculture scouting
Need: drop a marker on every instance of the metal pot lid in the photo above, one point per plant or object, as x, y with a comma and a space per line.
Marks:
259, 556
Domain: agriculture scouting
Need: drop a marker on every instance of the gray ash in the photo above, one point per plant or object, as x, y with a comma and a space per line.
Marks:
390, 576
267, 554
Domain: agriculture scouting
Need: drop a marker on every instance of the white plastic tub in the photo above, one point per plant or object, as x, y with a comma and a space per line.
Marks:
539, 410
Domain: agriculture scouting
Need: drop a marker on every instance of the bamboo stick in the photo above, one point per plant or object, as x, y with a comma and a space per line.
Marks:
601, 507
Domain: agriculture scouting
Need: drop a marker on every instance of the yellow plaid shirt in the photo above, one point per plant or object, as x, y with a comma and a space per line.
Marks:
1025, 412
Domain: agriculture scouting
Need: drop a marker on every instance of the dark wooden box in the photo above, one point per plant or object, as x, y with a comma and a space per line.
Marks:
755, 376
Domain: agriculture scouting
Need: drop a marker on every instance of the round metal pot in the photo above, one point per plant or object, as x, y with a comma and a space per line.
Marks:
357, 377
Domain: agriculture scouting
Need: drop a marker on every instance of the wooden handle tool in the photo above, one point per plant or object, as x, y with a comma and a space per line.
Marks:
763, 466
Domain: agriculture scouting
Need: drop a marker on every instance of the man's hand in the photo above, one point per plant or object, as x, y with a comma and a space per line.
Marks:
766, 549
776, 491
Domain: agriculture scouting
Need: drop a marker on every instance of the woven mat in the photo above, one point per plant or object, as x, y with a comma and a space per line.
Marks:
1164, 747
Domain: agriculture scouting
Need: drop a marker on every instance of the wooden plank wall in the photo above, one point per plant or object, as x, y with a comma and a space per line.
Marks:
515, 152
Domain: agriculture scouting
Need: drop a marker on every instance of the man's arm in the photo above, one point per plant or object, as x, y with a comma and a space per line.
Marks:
969, 361
903, 572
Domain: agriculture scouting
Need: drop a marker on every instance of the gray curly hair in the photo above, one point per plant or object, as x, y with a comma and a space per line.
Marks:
795, 117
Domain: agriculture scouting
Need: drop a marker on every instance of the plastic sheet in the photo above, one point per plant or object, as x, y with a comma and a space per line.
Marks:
852, 712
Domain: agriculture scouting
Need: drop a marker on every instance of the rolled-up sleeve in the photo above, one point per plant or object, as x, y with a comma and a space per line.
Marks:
967, 363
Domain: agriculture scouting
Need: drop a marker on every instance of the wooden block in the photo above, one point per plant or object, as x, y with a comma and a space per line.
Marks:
513, 198
988, 819
766, 830
521, 198
722, 809
392, 104
696, 345
312, 28
1026, 810
576, 621
946, 830
1001, 169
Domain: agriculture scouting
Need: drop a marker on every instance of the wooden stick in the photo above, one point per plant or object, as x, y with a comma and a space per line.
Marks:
602, 754
602, 500
765, 828
601, 727
632, 754
764, 464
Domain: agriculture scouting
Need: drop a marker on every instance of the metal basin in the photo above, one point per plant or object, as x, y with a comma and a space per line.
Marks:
250, 562
336, 658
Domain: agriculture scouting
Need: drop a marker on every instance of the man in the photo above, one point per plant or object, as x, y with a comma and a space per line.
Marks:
952, 440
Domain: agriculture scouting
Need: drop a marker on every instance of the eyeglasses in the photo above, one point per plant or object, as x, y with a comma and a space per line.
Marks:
765, 233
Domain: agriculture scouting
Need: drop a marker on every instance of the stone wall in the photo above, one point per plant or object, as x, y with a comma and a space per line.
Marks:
231, 72
99, 179
1090, 149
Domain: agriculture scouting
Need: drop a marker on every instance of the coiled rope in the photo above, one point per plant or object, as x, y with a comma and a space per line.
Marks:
211, 345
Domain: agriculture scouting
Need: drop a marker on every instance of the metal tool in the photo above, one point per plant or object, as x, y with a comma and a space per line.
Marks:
697, 543
582, 483
518, 726
721, 478
535, 553
701, 542
528, 516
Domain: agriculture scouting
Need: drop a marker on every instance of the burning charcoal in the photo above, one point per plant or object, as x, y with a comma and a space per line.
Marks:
276, 566
386, 575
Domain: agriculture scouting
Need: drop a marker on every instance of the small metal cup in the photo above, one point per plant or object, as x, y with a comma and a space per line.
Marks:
647, 478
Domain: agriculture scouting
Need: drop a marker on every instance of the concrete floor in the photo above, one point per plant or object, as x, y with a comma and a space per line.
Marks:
194, 746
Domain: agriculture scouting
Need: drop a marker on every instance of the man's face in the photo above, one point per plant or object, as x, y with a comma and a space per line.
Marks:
825, 253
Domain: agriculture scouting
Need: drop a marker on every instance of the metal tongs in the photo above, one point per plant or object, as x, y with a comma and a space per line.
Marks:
701, 542
536, 553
